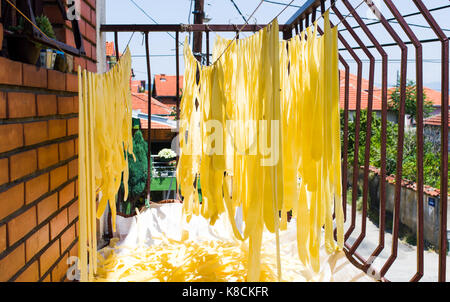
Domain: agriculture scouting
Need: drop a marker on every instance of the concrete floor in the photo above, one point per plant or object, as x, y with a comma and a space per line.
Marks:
404, 267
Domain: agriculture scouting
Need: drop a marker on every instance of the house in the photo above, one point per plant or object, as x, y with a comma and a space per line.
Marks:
162, 121
165, 88
353, 93
432, 127
432, 95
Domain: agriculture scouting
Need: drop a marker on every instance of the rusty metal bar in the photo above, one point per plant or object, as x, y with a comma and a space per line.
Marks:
207, 47
185, 27
419, 134
116, 45
369, 127
149, 119
444, 138
357, 118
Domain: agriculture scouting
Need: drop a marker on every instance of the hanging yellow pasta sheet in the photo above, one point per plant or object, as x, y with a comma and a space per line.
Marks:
104, 144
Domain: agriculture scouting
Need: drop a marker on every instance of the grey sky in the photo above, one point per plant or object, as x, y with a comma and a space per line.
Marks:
223, 12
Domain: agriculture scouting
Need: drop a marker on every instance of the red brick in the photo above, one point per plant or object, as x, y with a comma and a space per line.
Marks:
65, 105
21, 225
11, 72
92, 4
11, 264
47, 156
57, 177
34, 76
2, 238
94, 53
67, 194
79, 62
76, 146
21, 104
73, 168
91, 34
11, 200
48, 278
72, 82
76, 106
74, 250
60, 270
91, 66
22, 164
46, 104
66, 150
11, 137
73, 211
4, 171
82, 25
31, 274
47, 207
72, 126
2, 104
35, 133
37, 241
85, 10
36, 187
88, 48
93, 18
68, 36
58, 223
56, 80
48, 258
54, 14
56, 129
67, 238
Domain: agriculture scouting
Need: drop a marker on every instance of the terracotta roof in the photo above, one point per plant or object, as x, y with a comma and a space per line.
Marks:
432, 95
140, 102
435, 120
110, 49
166, 85
406, 183
353, 85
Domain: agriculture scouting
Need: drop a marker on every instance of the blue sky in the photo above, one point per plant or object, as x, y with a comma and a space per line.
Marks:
223, 12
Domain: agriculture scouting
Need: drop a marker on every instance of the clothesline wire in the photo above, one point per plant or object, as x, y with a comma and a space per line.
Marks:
240, 29
237, 34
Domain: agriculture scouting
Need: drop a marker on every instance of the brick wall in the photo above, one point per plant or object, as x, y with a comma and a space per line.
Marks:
38, 172
87, 25
39, 161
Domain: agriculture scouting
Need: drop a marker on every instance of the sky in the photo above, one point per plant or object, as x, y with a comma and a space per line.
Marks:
162, 45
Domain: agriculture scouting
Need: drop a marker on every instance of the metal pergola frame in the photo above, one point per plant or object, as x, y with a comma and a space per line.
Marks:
305, 16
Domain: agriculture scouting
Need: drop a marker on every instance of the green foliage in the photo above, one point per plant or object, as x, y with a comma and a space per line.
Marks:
431, 160
137, 176
44, 24
375, 142
138, 168
411, 101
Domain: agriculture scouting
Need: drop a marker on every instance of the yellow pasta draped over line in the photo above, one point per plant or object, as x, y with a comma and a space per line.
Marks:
260, 129
105, 117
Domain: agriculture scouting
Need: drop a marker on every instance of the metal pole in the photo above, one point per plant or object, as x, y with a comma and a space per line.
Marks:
198, 19
149, 119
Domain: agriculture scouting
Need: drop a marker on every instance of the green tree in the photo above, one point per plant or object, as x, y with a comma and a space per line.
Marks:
411, 101
137, 176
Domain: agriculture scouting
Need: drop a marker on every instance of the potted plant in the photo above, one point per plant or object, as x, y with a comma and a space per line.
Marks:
21, 47
166, 155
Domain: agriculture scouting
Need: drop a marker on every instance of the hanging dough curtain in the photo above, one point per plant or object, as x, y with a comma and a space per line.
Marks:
260, 129
104, 142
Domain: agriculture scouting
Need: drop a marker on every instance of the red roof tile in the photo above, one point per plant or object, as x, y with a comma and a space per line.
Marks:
140, 102
435, 120
110, 49
167, 85
353, 85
